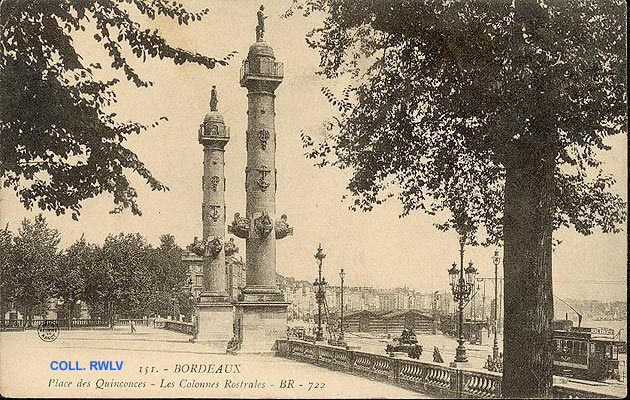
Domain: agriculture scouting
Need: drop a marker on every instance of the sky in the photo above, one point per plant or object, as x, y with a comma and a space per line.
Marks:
376, 249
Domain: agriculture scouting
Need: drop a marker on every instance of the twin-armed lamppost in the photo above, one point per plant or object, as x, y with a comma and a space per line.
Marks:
462, 288
319, 295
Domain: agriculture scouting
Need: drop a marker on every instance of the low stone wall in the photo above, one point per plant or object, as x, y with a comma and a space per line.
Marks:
176, 326
76, 323
136, 321
431, 378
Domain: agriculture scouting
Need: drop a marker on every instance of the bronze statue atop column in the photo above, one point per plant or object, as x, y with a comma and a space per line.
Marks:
213, 99
260, 28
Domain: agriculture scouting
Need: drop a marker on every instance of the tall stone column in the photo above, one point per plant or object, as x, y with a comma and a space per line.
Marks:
261, 310
214, 311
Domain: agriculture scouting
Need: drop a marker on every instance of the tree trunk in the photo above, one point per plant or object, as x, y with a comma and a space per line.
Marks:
528, 308
111, 315
70, 315
29, 318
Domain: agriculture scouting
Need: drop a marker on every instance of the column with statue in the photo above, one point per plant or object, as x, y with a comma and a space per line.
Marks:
214, 312
261, 312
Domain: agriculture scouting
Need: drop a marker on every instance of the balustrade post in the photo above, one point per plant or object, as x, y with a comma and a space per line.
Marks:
454, 384
316, 353
351, 357
459, 383
499, 392
395, 369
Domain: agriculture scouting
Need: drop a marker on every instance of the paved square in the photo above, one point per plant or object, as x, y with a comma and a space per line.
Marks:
159, 363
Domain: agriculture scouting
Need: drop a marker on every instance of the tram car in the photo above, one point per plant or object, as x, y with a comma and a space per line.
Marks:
406, 343
586, 353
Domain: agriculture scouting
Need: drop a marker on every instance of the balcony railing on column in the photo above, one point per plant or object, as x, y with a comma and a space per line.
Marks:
262, 68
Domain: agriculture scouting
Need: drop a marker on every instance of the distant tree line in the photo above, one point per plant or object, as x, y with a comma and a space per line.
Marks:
125, 276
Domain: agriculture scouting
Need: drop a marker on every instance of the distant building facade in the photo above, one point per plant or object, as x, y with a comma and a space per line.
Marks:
388, 322
301, 295
234, 270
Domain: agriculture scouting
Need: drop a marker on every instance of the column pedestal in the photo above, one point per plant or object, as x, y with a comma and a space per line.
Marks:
214, 325
260, 324
459, 364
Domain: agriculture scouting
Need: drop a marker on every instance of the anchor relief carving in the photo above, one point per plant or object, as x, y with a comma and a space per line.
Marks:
263, 136
262, 183
214, 182
213, 212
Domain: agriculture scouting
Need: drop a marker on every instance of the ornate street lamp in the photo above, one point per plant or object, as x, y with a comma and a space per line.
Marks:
495, 347
319, 296
453, 274
341, 275
461, 287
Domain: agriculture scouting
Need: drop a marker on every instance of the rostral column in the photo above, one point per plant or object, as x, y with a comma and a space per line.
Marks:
214, 311
261, 309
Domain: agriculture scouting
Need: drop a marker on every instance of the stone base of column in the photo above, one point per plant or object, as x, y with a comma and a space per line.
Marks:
213, 298
260, 294
259, 325
459, 364
215, 325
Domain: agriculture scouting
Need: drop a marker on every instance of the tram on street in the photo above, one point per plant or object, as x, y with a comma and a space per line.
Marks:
586, 353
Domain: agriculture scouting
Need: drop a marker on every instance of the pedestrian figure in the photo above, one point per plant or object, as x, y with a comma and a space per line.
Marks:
437, 357
489, 363
133, 327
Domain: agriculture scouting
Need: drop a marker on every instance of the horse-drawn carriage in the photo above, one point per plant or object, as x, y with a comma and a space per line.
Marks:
406, 343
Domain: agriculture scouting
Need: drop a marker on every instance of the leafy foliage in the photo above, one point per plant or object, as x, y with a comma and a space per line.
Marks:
7, 268
60, 144
125, 276
73, 274
446, 95
34, 263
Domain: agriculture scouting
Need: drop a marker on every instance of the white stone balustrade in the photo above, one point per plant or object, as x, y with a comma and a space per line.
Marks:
425, 377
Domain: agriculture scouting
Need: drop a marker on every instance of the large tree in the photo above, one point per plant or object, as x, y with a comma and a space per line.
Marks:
73, 274
7, 271
166, 278
491, 113
61, 141
126, 262
34, 260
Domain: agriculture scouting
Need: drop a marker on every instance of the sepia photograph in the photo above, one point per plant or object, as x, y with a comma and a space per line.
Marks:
313, 199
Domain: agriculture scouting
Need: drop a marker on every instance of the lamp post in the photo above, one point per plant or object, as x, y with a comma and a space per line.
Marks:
319, 296
471, 278
461, 287
341, 275
436, 296
495, 346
